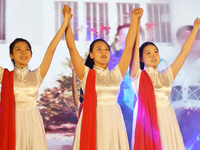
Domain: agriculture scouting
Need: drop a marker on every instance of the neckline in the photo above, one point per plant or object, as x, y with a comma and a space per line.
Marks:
101, 71
99, 68
17, 68
151, 69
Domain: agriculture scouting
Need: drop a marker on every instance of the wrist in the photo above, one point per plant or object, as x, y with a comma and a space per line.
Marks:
195, 27
134, 20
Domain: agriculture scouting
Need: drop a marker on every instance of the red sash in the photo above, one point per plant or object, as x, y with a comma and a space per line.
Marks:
147, 136
7, 113
88, 125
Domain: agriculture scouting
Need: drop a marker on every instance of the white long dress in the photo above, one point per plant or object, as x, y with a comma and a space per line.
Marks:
111, 131
171, 138
30, 134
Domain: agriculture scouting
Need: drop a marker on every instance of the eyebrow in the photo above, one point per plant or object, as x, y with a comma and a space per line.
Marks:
21, 46
102, 46
149, 50
146, 50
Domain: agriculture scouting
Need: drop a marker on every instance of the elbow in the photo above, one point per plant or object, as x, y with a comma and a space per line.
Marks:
71, 48
129, 46
185, 52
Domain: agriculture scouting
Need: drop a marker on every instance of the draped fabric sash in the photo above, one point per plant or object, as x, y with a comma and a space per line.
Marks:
7, 113
88, 125
147, 136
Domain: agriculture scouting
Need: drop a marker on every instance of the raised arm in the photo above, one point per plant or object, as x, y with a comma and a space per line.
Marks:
179, 61
74, 89
134, 64
52, 47
130, 40
77, 61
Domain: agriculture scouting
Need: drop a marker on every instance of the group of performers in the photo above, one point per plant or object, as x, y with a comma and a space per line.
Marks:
100, 125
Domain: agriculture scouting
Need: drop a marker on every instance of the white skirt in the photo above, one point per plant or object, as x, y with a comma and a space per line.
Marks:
30, 134
171, 138
111, 131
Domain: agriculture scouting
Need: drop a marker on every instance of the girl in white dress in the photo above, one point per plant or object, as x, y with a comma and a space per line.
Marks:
28, 123
103, 128
164, 133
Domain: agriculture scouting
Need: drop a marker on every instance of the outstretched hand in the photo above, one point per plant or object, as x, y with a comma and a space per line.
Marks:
66, 13
197, 23
137, 12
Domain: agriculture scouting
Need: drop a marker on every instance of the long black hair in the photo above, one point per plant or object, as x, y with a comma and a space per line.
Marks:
141, 52
12, 45
89, 61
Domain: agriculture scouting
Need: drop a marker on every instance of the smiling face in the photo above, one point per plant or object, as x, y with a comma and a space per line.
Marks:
100, 54
21, 54
150, 56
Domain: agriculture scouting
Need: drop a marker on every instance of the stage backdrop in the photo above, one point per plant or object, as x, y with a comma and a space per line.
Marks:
165, 22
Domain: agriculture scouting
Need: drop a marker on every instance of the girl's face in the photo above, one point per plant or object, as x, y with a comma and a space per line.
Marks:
150, 56
21, 54
100, 54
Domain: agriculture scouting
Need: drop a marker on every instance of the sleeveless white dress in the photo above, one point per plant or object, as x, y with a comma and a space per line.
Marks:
30, 134
171, 138
111, 131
